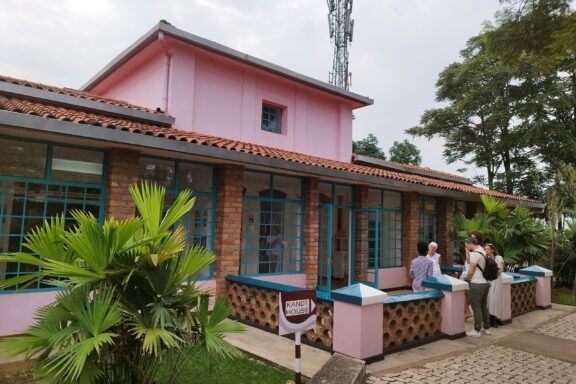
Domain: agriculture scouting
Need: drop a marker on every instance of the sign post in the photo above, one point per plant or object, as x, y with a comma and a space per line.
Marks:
297, 314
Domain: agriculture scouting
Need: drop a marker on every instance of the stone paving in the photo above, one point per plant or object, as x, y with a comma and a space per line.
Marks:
565, 328
487, 365
493, 363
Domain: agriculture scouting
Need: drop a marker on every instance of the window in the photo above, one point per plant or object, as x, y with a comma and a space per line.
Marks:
176, 176
427, 222
390, 205
271, 118
272, 224
38, 181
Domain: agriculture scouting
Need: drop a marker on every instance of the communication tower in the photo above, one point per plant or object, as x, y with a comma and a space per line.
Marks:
341, 27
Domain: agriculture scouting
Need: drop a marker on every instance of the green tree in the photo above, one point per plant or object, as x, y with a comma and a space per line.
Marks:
405, 152
368, 147
515, 232
129, 295
477, 124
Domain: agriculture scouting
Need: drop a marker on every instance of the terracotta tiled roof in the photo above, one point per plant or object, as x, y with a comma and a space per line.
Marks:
75, 93
419, 168
21, 105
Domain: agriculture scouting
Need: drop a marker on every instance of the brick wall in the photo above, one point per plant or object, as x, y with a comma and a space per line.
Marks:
122, 172
228, 230
310, 252
445, 228
360, 251
410, 216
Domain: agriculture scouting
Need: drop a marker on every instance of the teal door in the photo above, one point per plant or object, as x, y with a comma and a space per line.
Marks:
325, 248
365, 246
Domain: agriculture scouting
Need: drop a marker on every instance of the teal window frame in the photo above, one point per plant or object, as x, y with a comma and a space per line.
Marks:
427, 223
200, 198
295, 258
390, 257
46, 182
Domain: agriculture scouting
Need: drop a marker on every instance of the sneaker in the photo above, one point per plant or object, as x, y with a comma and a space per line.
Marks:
486, 331
473, 333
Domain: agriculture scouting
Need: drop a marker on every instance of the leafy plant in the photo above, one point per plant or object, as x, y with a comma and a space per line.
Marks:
517, 235
129, 295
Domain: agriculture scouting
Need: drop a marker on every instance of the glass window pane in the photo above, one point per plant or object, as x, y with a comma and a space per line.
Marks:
392, 200
255, 182
75, 164
197, 178
22, 158
343, 195
374, 198
325, 193
290, 186
158, 171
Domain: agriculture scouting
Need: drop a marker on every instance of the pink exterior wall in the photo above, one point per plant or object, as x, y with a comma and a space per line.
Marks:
506, 301
211, 94
293, 279
358, 329
392, 278
452, 307
543, 291
19, 309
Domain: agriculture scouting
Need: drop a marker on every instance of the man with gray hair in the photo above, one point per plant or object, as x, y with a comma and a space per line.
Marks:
433, 256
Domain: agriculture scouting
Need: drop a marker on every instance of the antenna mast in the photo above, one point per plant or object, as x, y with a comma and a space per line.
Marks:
341, 27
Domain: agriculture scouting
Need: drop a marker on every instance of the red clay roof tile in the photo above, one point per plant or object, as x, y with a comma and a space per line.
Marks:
20, 105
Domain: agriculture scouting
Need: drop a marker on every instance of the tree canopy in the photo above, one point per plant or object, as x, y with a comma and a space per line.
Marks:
510, 102
368, 147
405, 152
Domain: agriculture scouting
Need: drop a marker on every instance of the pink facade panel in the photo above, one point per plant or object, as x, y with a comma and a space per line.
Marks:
295, 279
141, 81
20, 308
358, 329
392, 278
212, 94
543, 291
452, 307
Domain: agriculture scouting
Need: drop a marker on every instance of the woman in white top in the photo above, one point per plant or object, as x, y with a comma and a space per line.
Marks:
495, 294
435, 258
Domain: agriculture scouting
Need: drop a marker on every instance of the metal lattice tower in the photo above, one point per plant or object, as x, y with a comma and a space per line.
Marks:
341, 30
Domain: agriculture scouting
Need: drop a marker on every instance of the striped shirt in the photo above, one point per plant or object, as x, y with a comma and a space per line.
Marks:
421, 268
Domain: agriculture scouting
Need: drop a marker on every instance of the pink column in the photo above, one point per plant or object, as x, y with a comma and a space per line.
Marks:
507, 281
358, 321
451, 305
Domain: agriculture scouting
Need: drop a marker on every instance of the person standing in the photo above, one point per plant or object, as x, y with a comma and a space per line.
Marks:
495, 293
421, 268
435, 258
479, 288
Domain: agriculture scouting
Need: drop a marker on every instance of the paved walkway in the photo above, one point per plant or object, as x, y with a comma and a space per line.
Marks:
538, 347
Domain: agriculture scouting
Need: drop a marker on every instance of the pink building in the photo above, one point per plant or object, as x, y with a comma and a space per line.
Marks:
267, 151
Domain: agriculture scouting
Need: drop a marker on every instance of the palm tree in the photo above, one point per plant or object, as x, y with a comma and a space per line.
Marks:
129, 295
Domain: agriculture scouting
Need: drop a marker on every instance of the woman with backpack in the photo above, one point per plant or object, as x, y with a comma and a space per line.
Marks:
495, 293
479, 288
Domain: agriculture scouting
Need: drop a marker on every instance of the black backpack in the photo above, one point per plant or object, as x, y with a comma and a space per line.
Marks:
490, 271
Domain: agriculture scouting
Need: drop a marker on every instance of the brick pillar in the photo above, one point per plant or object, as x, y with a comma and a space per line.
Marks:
445, 228
122, 172
311, 250
360, 251
410, 218
228, 234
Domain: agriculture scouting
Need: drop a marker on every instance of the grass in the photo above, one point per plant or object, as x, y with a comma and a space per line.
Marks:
199, 369
563, 296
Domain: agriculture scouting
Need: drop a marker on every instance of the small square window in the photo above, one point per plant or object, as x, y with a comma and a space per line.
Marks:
271, 118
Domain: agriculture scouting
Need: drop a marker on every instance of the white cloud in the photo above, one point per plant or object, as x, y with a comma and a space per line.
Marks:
399, 46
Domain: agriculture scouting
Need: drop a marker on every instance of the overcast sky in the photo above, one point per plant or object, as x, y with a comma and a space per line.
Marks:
399, 46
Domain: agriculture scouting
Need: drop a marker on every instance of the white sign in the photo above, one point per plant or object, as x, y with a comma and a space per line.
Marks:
297, 311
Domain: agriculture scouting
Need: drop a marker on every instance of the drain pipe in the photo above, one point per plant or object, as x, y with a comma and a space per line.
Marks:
167, 74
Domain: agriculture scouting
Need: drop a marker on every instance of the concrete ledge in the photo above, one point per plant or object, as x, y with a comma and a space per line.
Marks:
340, 369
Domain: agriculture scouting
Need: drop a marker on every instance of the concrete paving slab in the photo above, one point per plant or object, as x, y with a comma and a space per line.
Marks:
278, 350
544, 345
